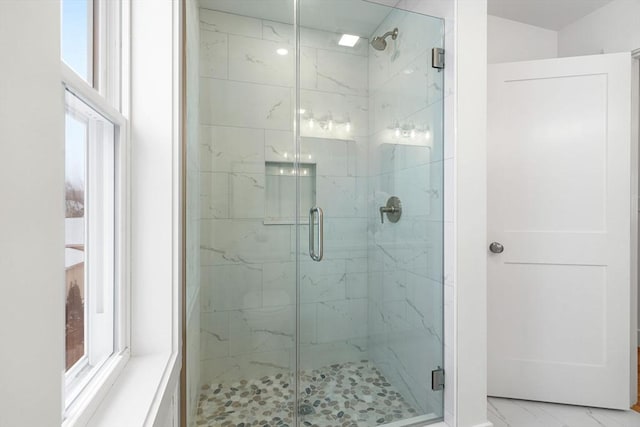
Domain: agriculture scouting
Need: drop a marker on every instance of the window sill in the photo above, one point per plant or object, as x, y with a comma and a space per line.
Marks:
136, 395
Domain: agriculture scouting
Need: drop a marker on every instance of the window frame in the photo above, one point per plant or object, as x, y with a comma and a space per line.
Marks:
107, 94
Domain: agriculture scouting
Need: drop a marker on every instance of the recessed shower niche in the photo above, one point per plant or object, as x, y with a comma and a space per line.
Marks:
296, 116
281, 185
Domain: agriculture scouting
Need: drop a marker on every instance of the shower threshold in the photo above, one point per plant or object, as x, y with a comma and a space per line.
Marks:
422, 420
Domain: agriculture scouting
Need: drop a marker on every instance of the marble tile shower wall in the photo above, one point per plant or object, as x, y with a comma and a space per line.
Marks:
405, 288
247, 267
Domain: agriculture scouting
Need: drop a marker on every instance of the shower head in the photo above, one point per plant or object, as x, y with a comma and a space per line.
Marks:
379, 42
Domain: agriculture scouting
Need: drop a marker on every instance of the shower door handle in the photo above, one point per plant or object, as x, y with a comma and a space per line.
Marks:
313, 212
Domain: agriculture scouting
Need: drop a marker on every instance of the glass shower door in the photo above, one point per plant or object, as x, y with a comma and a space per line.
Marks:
335, 134
370, 149
242, 211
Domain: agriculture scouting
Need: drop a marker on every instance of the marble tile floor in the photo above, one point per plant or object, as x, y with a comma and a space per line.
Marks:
351, 394
522, 413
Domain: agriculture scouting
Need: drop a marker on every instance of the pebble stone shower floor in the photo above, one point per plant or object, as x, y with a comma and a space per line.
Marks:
351, 394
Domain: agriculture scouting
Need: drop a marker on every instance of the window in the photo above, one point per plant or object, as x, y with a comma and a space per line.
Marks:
89, 246
77, 31
95, 183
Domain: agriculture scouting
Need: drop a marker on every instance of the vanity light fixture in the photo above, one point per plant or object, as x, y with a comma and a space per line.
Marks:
325, 123
348, 40
282, 51
411, 131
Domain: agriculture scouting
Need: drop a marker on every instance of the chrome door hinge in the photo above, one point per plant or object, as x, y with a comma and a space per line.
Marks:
437, 379
437, 58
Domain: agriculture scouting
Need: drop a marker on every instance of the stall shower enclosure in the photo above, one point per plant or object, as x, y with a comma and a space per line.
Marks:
314, 214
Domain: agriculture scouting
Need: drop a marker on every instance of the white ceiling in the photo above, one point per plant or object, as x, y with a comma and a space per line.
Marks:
338, 16
551, 14
362, 17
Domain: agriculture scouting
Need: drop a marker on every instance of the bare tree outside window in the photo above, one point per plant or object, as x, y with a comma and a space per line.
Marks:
74, 197
75, 169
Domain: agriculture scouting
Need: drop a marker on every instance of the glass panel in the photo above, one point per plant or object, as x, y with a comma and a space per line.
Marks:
240, 114
371, 313
89, 242
75, 158
77, 36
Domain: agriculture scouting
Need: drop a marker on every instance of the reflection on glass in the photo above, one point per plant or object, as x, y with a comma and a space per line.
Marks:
75, 154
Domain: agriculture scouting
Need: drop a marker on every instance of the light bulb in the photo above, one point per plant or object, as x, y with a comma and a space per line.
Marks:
397, 132
427, 134
281, 171
311, 123
348, 40
413, 133
330, 125
348, 126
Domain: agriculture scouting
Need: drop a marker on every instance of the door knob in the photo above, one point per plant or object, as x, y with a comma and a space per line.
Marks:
496, 247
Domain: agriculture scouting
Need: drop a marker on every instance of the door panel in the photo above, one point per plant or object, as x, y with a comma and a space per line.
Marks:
370, 128
565, 119
559, 174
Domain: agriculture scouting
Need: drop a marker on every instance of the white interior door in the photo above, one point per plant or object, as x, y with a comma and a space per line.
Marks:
559, 201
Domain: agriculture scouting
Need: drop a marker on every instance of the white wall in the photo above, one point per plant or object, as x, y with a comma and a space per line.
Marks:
32, 215
612, 28
510, 41
470, 232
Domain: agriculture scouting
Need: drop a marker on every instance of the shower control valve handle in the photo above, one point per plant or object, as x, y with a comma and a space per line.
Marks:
384, 210
393, 209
